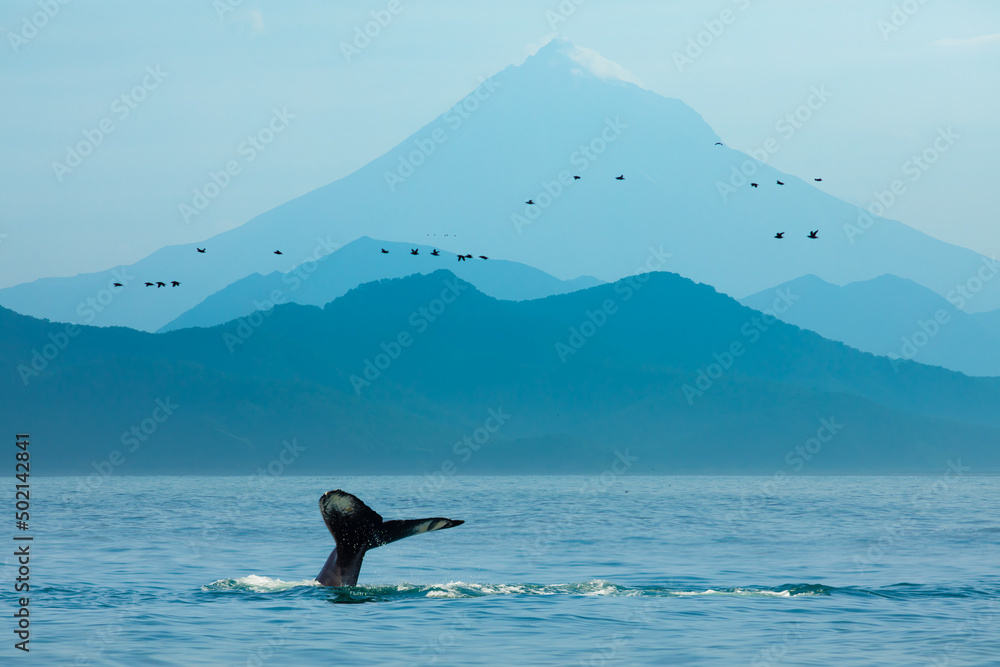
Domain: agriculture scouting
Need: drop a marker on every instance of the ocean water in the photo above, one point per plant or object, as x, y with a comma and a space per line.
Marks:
619, 569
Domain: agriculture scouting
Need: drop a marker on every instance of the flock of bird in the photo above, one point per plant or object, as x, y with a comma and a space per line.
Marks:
437, 253
413, 251
176, 283
814, 234
780, 235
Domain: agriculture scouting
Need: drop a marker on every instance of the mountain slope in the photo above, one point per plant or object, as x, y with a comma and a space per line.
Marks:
521, 136
362, 261
398, 376
892, 317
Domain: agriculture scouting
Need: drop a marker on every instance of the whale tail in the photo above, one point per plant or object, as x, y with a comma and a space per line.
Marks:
356, 528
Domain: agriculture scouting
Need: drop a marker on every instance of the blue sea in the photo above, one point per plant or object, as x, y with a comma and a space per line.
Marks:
615, 569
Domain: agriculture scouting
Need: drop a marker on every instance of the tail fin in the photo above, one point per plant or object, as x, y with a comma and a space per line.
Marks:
355, 527
352, 523
358, 528
397, 530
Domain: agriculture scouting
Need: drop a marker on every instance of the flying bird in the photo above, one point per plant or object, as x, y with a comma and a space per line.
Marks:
818, 180
576, 178
780, 183
620, 178
384, 251
278, 252
174, 283
718, 143
530, 202
414, 251
813, 235
149, 284
201, 250
779, 235
461, 258
468, 256
159, 284
753, 185
483, 257
435, 252
118, 285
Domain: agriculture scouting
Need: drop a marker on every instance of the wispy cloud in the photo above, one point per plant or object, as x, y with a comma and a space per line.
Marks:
968, 42
601, 66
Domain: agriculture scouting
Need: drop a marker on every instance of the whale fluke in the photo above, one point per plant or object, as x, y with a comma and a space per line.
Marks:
357, 528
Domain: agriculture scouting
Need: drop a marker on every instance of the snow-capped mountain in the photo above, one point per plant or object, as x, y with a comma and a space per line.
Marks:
523, 135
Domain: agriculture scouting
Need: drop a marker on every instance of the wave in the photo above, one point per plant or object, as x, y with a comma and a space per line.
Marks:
255, 584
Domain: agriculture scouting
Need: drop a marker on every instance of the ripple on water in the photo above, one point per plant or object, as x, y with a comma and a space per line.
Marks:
459, 589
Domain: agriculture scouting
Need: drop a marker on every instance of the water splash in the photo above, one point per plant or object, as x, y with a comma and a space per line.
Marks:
255, 584
460, 590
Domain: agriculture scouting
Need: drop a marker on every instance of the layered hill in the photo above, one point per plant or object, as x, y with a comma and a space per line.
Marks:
425, 374
330, 276
892, 317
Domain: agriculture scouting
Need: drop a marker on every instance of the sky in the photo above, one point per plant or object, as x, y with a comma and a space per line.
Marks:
162, 96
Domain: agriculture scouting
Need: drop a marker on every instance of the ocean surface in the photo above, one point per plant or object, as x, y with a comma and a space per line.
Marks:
613, 570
